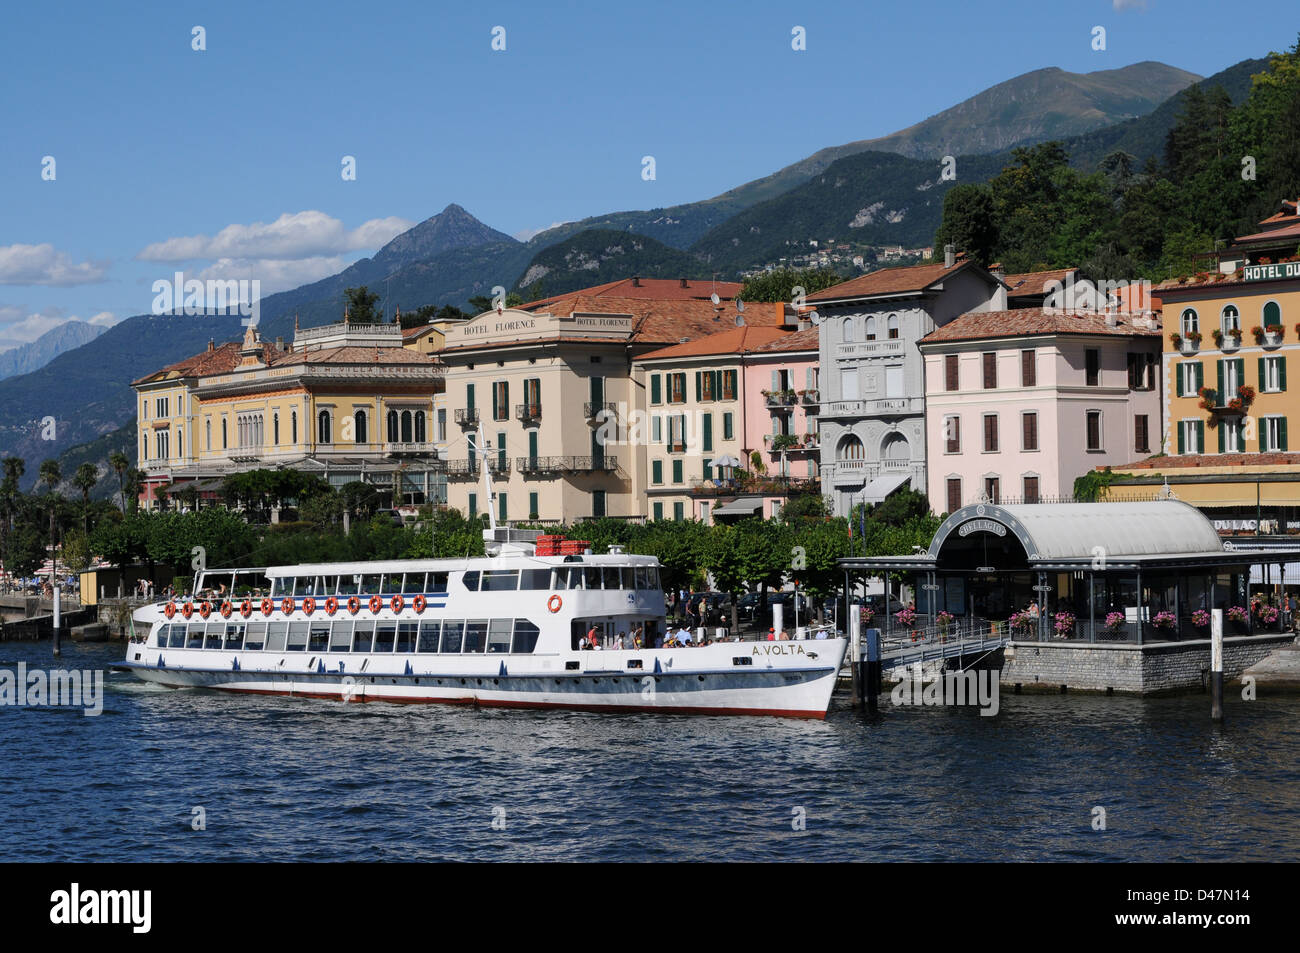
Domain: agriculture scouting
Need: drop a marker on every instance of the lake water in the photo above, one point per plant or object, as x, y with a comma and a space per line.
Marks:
289, 779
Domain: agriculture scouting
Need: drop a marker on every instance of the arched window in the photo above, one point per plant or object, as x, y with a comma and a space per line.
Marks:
850, 448
392, 426
225, 433
359, 430
871, 329
144, 446
275, 428
324, 431
208, 424
893, 326
180, 443
293, 426
895, 447
406, 426
421, 433
1191, 323
1272, 315
846, 331
1230, 320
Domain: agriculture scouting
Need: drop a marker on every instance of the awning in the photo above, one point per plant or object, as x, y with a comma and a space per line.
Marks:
881, 487
741, 506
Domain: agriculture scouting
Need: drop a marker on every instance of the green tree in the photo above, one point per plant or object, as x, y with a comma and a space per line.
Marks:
84, 479
120, 464
968, 222
362, 305
779, 283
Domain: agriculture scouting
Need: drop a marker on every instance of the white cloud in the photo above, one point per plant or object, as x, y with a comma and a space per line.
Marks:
1122, 5
18, 326
106, 318
46, 265
528, 233
291, 237
274, 274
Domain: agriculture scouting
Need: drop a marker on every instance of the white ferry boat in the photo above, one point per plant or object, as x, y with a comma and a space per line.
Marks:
511, 629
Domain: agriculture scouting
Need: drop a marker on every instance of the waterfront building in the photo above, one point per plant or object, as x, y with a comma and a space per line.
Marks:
345, 401
555, 388
872, 379
1019, 403
747, 396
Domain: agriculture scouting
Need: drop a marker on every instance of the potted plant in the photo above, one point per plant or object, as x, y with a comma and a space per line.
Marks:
1063, 622
1247, 394
1021, 622
906, 616
1165, 620
1266, 614
1239, 617
1273, 334
1200, 618
1176, 340
944, 619
1192, 342
1209, 398
1113, 621
1258, 332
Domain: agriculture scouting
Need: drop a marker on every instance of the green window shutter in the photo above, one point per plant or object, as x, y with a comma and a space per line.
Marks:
699, 387
1182, 443
708, 432
1281, 433
501, 507
717, 385
469, 396
728, 427
1200, 378
505, 399
473, 505
659, 511
1281, 372
731, 381
655, 394
1178, 381
1220, 391
1223, 438
708, 469
1241, 372
677, 471
1200, 436
532, 444
1262, 376
656, 471
496, 410
679, 511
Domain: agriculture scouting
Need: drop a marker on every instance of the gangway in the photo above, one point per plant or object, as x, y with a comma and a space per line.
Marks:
932, 645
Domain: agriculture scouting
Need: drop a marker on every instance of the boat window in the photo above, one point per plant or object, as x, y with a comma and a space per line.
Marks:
642, 577
577, 578
331, 586
370, 583
215, 631
363, 637
535, 579
414, 583
611, 576
500, 580
385, 635
653, 572
437, 582
298, 636
255, 638
470, 580
560, 580
275, 636
177, 638
341, 636
475, 635
525, 636
406, 632
451, 634
234, 636
392, 583
194, 636
349, 585
319, 639
242, 587
430, 629
592, 577
499, 631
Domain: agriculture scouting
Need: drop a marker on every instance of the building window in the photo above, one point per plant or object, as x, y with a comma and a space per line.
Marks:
225, 434
501, 507
952, 434
324, 431
1230, 374
1031, 489
950, 372
1094, 430
1191, 378
533, 512
598, 503
275, 429
871, 329
500, 401
1191, 436
728, 426
161, 438
1029, 430
1272, 315
160, 407
658, 511
993, 489
1141, 433
473, 505
892, 324
679, 511
656, 429
656, 471
729, 385
846, 331
677, 471
533, 396
393, 427
1092, 364
208, 429
707, 470
1190, 322
656, 392
676, 388
1230, 320
1274, 434
442, 424
954, 494
990, 371
359, 434
704, 381
407, 433
421, 429
990, 433
1141, 371
676, 433
1230, 436
850, 448
1028, 369
293, 425
1272, 374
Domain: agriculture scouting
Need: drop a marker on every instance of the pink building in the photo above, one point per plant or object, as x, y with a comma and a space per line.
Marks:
1020, 403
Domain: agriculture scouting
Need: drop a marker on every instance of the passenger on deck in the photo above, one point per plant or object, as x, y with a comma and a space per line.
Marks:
591, 636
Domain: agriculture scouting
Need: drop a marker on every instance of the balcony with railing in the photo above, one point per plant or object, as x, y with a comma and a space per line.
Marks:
780, 399
410, 449
467, 416
566, 464
594, 409
790, 443
868, 408
892, 347
810, 400
528, 412
462, 469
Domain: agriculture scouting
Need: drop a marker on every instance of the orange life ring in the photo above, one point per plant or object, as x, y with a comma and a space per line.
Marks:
554, 603
286, 605
267, 606
309, 605
187, 610
169, 610
245, 608
396, 603
418, 603
205, 609
331, 606
376, 603
354, 604
226, 609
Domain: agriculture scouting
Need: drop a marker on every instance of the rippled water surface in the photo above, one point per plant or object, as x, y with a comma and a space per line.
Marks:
286, 779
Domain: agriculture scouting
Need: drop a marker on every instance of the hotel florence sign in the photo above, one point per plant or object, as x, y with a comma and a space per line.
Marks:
517, 325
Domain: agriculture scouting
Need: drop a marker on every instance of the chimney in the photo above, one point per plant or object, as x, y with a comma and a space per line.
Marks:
684, 284
949, 256
636, 281
279, 344
212, 345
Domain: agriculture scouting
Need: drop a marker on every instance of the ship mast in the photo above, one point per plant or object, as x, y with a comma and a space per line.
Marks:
487, 479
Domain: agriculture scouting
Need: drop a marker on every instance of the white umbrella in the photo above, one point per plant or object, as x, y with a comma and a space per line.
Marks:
726, 461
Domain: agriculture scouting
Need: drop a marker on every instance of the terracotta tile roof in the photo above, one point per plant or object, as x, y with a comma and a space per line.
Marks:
531, 342
1276, 234
1193, 460
354, 354
1215, 278
806, 340
1035, 282
1287, 214
734, 341
648, 289
977, 325
220, 360
908, 278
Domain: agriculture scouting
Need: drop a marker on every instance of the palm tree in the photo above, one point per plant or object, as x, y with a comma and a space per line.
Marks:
51, 475
86, 477
118, 461
13, 470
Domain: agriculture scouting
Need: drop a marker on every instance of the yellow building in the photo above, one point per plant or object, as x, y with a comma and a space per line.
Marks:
1227, 399
345, 401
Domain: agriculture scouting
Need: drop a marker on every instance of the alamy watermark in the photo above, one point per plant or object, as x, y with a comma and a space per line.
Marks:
37, 688
217, 295
977, 687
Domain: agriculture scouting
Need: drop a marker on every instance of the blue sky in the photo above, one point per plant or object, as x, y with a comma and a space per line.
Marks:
227, 162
